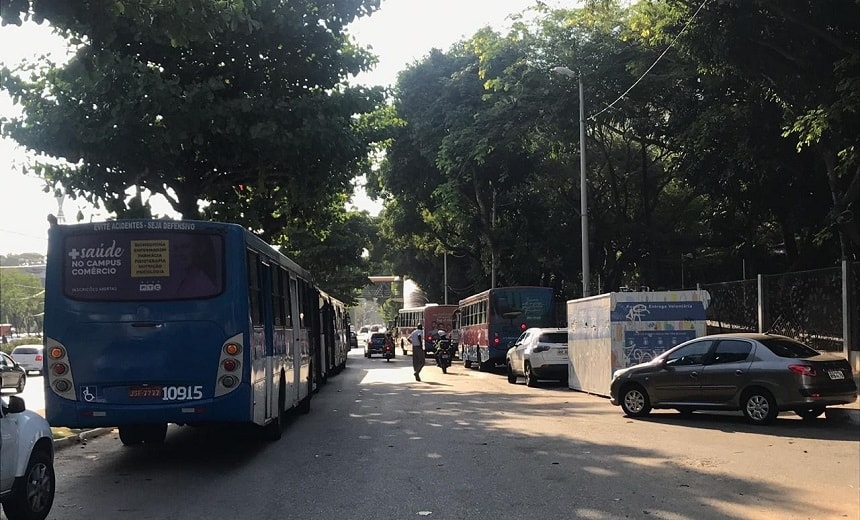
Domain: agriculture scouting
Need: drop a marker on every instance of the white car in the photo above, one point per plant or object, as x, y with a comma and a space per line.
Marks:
27, 479
539, 353
31, 357
362, 335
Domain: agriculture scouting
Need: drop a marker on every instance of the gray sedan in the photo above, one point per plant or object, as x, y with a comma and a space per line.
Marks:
759, 374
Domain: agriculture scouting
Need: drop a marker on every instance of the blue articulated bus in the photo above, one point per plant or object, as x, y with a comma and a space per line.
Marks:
150, 322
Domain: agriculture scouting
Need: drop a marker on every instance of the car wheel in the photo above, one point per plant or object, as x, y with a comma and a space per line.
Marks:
531, 379
759, 406
512, 378
21, 383
810, 413
635, 401
33, 494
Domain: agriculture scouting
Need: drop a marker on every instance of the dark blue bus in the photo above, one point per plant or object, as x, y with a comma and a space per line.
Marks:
150, 322
492, 320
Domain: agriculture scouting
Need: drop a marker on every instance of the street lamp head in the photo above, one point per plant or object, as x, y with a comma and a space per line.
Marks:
564, 71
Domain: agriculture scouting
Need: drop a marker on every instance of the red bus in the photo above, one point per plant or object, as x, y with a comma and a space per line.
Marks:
433, 317
491, 321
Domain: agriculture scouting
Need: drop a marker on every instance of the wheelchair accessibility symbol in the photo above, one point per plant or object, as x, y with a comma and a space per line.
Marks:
88, 393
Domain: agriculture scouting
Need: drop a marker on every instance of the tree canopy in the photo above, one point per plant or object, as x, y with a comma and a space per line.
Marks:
233, 111
696, 150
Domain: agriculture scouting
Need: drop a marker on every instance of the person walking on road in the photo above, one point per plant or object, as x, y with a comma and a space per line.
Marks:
416, 340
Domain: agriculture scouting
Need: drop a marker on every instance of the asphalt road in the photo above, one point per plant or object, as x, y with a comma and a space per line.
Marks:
468, 445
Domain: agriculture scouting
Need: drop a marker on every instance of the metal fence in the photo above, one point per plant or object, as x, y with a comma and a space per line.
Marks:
817, 307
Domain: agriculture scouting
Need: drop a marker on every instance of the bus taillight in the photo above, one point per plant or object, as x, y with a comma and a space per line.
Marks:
232, 349
62, 386
60, 369
228, 381
523, 326
230, 365
57, 353
497, 340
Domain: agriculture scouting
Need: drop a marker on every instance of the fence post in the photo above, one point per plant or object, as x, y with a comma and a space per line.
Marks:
761, 316
849, 315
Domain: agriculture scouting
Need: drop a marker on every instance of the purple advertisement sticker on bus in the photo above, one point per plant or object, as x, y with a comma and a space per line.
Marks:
142, 265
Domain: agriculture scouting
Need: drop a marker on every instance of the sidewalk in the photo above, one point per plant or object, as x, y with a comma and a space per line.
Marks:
77, 437
64, 437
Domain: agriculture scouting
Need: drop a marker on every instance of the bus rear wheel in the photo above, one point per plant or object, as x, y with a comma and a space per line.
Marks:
133, 434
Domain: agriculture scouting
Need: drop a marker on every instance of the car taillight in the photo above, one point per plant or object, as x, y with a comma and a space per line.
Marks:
38, 357
804, 370
541, 348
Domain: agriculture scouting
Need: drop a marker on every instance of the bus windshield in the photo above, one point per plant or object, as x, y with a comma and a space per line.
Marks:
527, 306
143, 266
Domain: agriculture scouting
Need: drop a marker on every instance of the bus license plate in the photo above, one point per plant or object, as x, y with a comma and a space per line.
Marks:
836, 374
144, 391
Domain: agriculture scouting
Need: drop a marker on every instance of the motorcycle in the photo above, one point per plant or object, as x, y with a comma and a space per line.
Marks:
388, 351
443, 353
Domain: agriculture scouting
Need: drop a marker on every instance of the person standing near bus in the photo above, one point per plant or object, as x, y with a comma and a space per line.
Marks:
418, 356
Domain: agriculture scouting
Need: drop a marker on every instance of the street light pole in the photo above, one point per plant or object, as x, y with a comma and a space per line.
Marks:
583, 187
445, 276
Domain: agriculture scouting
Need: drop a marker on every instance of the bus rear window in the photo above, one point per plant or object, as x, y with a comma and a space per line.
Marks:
143, 266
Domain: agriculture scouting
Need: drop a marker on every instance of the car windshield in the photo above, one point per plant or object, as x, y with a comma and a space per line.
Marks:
553, 337
788, 348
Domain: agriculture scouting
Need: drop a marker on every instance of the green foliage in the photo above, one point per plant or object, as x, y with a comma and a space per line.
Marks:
725, 148
22, 299
243, 109
336, 257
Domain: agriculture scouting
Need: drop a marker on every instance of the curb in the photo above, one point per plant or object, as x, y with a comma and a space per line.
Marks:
80, 438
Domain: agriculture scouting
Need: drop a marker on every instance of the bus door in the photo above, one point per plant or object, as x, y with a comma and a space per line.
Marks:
295, 345
270, 392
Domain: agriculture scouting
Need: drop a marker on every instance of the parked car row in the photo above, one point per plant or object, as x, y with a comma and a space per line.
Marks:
760, 375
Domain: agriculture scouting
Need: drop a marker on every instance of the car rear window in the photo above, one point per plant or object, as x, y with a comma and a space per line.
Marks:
25, 350
553, 337
789, 348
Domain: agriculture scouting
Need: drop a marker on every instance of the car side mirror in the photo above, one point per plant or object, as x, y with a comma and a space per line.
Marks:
16, 404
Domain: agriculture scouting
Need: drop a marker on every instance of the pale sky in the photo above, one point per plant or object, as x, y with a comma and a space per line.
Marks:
401, 32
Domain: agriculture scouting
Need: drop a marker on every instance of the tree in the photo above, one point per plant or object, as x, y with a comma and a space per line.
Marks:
337, 257
800, 61
247, 111
22, 299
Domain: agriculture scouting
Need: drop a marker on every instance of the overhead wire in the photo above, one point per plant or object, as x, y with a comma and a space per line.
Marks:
686, 25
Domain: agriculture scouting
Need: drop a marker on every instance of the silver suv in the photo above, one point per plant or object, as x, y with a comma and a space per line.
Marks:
27, 480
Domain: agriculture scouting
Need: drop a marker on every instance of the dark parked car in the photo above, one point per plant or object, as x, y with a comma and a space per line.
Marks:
374, 344
759, 374
353, 340
12, 375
